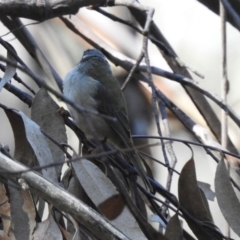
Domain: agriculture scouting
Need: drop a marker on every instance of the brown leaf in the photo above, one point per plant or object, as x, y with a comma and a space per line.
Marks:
226, 197
174, 229
22, 214
112, 207
4, 209
29, 208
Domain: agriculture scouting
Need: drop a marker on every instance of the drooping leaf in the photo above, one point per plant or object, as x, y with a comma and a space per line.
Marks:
23, 150
48, 229
99, 188
226, 198
28, 133
191, 198
174, 229
22, 214
40, 147
10, 69
44, 114
206, 187
205, 202
71, 183
29, 208
76, 189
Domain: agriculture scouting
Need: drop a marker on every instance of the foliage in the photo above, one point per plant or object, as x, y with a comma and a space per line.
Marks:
50, 191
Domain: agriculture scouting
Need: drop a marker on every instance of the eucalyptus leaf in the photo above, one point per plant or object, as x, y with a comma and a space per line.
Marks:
48, 229
10, 68
22, 214
226, 198
99, 188
191, 198
44, 113
174, 229
28, 134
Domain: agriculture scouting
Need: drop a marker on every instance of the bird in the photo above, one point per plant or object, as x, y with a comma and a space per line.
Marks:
92, 85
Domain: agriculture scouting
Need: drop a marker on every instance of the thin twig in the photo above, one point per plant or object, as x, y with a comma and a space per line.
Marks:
163, 47
156, 160
27, 40
168, 144
169, 147
20, 27
198, 99
151, 38
154, 98
182, 64
133, 70
126, 63
25, 97
224, 88
18, 79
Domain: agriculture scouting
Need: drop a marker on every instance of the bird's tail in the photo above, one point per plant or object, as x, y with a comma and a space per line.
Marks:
137, 162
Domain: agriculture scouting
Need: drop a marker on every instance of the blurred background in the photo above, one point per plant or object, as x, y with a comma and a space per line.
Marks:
194, 33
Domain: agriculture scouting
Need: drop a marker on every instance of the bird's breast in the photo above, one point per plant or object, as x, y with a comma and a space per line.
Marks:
81, 90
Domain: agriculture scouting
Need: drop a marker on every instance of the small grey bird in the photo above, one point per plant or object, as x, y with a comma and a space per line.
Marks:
92, 85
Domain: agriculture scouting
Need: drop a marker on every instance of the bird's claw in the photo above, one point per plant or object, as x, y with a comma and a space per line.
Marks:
63, 112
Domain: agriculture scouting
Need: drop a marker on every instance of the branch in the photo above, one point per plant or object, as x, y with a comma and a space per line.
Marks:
27, 40
26, 98
43, 84
198, 99
64, 201
43, 10
126, 63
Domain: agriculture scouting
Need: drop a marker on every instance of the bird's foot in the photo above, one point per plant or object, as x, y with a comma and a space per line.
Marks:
63, 112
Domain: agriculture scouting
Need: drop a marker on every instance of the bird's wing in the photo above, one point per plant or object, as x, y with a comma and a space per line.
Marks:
107, 105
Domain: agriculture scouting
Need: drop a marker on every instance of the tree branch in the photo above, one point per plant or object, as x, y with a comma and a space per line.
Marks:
43, 10
64, 201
